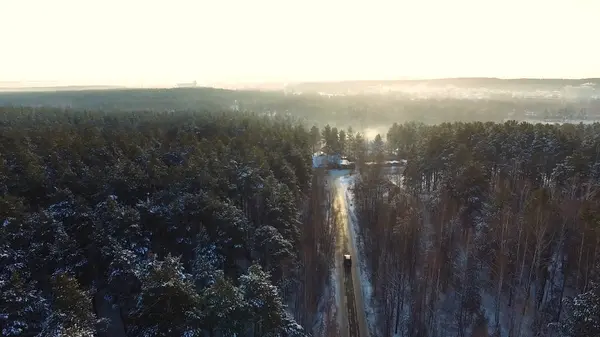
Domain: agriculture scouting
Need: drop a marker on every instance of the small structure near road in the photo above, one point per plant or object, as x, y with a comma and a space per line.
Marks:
320, 159
331, 161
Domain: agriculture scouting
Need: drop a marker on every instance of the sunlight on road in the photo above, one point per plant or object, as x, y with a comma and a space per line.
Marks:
341, 214
341, 223
346, 246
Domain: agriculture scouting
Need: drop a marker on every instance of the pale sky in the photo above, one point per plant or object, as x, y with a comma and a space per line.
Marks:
152, 42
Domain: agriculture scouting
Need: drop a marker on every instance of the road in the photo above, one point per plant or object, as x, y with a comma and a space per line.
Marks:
350, 314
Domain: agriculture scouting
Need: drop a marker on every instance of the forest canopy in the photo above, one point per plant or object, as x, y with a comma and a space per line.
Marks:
493, 230
198, 223
152, 223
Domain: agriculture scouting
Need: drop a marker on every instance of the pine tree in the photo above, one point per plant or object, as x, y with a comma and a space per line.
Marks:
265, 306
378, 153
207, 260
22, 306
72, 313
583, 315
223, 307
315, 138
271, 246
168, 304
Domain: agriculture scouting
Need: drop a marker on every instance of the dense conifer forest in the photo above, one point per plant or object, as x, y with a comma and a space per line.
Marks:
217, 224
494, 231
158, 224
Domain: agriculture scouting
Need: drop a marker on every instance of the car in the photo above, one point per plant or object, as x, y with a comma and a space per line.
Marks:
347, 260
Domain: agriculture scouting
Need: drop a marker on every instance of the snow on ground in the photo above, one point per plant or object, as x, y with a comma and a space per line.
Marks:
326, 317
316, 161
342, 174
331, 302
367, 289
332, 314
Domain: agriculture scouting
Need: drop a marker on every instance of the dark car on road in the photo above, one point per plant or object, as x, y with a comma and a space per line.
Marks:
347, 261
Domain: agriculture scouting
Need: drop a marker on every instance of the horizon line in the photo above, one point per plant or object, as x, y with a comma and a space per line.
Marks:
20, 85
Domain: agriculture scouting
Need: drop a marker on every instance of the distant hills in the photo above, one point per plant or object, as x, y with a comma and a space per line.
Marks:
13, 88
465, 82
346, 85
358, 104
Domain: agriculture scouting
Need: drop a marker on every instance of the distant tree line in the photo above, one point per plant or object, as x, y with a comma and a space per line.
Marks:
159, 224
494, 231
358, 111
350, 144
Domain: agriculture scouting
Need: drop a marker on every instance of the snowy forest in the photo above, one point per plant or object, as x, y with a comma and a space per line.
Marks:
159, 224
218, 224
493, 230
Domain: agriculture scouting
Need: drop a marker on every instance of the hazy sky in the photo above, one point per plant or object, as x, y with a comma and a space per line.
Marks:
152, 42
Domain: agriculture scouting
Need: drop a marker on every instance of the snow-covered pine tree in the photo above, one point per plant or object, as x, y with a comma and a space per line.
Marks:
265, 307
72, 313
168, 304
583, 314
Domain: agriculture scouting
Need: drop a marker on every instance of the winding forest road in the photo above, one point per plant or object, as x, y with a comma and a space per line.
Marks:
351, 319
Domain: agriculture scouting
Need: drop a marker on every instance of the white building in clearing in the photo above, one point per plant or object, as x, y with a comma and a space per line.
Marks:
320, 159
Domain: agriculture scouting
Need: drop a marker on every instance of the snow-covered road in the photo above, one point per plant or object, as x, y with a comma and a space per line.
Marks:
346, 244
340, 249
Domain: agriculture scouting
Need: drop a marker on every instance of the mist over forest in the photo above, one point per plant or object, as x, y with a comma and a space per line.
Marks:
462, 207
360, 104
